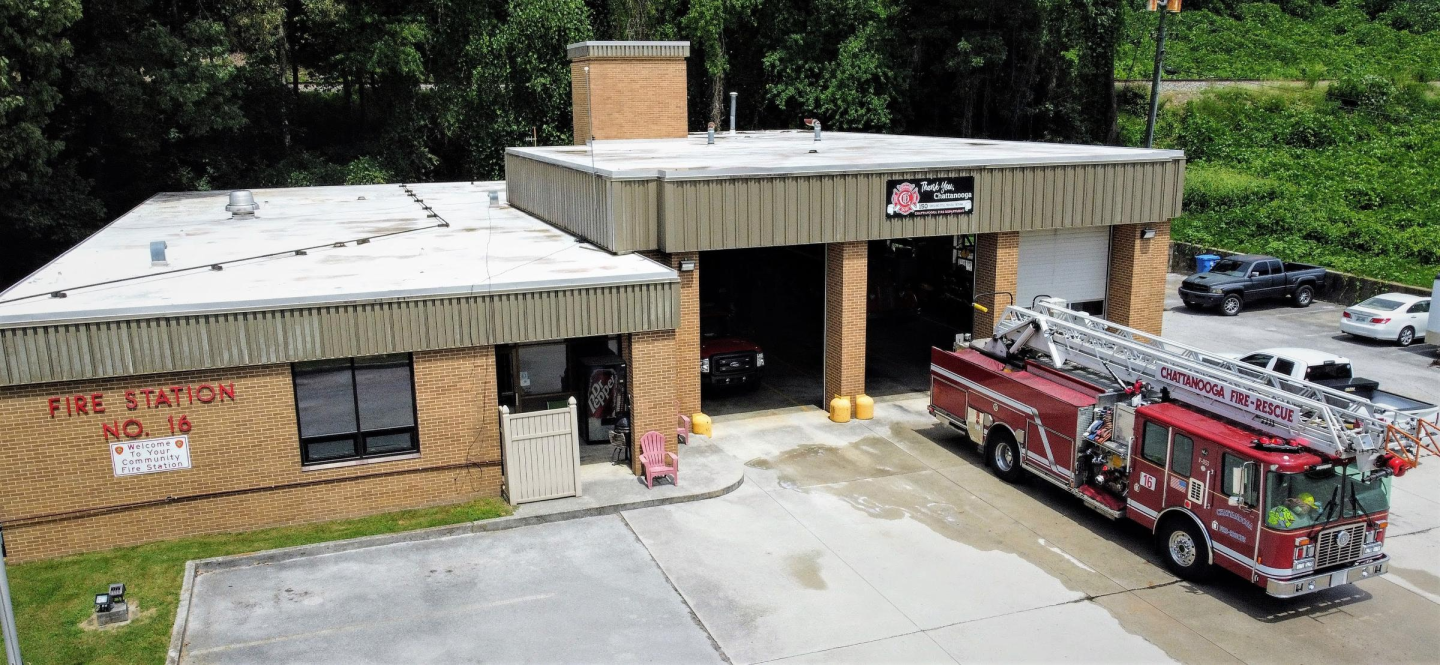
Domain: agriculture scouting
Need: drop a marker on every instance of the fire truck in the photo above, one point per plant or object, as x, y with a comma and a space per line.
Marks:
1231, 466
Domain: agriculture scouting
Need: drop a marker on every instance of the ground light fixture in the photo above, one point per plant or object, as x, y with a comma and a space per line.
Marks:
103, 603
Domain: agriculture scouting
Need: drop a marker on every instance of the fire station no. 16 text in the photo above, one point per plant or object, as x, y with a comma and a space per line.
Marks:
161, 397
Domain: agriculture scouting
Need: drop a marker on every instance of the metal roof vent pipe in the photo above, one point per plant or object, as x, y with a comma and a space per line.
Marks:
157, 254
815, 123
733, 95
710, 134
242, 204
494, 195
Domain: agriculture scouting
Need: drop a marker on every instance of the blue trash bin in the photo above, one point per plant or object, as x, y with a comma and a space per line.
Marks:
1204, 262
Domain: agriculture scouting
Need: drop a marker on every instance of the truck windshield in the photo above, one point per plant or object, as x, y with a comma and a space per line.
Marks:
1302, 500
1229, 267
1328, 372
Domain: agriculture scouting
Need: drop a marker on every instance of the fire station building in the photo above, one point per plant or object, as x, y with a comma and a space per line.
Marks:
210, 363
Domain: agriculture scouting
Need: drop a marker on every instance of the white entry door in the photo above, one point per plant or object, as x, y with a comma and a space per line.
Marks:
1073, 264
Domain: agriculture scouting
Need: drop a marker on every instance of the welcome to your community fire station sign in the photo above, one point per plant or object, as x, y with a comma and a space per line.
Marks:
930, 196
134, 458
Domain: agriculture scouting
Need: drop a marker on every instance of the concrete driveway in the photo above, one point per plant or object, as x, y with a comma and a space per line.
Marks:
877, 541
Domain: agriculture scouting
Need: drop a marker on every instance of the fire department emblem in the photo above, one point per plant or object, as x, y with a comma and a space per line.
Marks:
1342, 539
904, 199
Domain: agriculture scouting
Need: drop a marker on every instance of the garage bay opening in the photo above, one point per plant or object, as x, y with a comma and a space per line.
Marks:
762, 333
919, 296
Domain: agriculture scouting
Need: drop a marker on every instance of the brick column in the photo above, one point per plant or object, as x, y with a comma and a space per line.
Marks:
846, 264
687, 336
1136, 293
997, 265
650, 357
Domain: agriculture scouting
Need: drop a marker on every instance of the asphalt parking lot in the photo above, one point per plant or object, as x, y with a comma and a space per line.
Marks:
877, 541
1407, 370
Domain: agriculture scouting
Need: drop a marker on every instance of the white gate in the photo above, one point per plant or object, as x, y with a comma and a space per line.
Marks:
542, 454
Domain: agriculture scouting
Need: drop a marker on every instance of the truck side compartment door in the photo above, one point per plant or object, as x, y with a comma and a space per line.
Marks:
1147, 473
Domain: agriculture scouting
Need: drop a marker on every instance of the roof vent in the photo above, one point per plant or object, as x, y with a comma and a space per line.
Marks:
242, 204
494, 196
157, 254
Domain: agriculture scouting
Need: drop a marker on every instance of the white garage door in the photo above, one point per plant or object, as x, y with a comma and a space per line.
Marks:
1065, 263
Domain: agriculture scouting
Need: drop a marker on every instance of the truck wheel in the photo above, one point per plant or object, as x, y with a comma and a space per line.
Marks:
1184, 548
1407, 337
1304, 296
1231, 305
1003, 456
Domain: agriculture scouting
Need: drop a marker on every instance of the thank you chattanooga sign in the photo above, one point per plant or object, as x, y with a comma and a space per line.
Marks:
133, 458
930, 196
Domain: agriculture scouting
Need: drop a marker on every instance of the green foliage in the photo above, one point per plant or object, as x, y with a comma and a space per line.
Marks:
53, 597
1257, 39
1344, 178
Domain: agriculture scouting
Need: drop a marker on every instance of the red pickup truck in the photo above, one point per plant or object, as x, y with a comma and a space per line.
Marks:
725, 359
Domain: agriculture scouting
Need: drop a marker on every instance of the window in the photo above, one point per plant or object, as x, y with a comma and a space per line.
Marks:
1260, 360
1283, 366
1227, 479
1419, 308
1183, 455
1157, 439
1261, 269
355, 408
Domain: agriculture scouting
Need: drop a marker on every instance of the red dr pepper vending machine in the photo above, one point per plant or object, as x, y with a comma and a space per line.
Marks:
604, 399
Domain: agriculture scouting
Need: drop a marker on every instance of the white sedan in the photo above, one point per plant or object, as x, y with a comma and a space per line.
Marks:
1396, 317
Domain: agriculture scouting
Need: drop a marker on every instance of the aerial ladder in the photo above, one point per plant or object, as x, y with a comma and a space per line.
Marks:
1339, 425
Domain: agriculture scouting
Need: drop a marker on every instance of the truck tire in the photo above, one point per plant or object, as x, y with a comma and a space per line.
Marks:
1406, 337
1232, 304
1303, 296
1002, 455
1184, 548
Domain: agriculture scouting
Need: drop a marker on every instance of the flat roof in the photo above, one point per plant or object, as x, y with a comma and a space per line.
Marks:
484, 250
795, 152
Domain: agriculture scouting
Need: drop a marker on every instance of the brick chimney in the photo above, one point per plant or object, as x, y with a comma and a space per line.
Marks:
633, 90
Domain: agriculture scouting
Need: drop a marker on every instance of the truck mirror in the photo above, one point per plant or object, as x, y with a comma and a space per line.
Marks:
1237, 483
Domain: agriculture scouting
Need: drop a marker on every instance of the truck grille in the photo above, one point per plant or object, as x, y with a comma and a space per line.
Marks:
1341, 545
732, 363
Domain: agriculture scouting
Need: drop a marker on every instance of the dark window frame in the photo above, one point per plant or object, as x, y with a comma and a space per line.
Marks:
359, 436
1176, 457
1145, 444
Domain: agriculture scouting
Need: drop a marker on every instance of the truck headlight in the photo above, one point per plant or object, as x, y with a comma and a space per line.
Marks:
704, 365
760, 359
1216, 289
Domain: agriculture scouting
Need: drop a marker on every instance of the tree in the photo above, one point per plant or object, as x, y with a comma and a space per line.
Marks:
44, 204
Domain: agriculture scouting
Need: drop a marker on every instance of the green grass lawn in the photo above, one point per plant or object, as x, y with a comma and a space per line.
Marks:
53, 597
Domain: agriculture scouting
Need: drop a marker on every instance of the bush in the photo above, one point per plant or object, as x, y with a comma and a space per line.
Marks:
1369, 91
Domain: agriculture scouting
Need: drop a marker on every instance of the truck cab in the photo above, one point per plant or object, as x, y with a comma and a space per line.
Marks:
727, 359
1281, 516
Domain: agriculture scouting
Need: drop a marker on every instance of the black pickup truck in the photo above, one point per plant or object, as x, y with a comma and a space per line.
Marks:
1236, 280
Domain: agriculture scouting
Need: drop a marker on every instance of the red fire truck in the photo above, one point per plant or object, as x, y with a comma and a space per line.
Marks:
1281, 481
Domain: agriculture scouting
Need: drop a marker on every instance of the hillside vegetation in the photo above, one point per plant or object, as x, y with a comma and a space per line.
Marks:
1347, 177
1295, 40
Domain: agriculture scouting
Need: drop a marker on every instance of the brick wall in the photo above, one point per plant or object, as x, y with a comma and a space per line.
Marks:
1136, 293
687, 336
240, 451
650, 358
997, 266
634, 98
846, 264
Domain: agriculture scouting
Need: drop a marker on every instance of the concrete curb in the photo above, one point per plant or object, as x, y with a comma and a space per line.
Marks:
269, 557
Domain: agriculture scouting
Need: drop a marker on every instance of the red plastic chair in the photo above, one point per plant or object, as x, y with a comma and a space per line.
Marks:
682, 432
655, 462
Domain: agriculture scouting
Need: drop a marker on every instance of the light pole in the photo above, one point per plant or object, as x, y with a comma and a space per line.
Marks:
7, 612
1164, 8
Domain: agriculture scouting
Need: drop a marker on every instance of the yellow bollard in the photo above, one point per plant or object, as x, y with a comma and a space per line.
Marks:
840, 409
700, 424
864, 407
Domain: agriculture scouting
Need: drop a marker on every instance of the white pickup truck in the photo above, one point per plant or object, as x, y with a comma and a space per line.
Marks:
1332, 371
